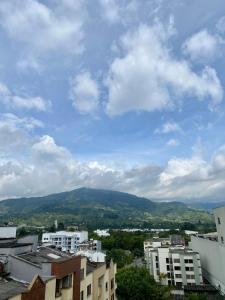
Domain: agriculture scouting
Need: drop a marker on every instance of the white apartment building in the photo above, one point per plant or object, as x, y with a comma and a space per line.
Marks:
102, 232
211, 248
174, 265
92, 255
66, 240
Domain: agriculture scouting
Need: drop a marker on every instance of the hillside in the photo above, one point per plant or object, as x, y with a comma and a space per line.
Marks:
94, 207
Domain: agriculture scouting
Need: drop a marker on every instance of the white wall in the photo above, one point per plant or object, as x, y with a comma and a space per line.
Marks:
212, 256
7, 232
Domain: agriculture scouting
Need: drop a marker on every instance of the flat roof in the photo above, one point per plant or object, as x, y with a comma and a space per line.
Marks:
44, 255
10, 288
12, 244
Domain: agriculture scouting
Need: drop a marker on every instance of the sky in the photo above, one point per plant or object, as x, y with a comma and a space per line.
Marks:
113, 94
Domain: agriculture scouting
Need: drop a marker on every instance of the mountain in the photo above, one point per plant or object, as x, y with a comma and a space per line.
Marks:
94, 207
207, 206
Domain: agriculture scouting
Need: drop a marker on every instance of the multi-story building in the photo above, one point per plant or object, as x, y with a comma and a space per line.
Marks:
92, 255
49, 274
174, 265
93, 245
66, 240
211, 248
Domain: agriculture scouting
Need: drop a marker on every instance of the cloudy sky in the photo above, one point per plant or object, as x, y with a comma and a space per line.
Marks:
114, 94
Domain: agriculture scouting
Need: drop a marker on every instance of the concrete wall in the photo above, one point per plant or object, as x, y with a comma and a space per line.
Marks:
22, 270
7, 232
212, 256
219, 214
50, 289
18, 297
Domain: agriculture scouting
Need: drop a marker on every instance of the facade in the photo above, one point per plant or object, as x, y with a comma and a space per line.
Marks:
66, 240
176, 266
102, 232
212, 251
93, 245
98, 281
49, 274
93, 256
7, 232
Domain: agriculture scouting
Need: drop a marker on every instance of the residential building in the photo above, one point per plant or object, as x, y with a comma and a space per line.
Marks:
7, 232
211, 248
49, 274
98, 281
93, 256
102, 233
65, 240
93, 245
174, 265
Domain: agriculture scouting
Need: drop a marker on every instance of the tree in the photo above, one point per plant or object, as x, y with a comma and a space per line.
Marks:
137, 284
194, 296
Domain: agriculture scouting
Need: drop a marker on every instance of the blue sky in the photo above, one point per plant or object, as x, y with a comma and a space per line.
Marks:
122, 95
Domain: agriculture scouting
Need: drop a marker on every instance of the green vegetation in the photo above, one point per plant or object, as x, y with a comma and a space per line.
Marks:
137, 284
195, 296
92, 208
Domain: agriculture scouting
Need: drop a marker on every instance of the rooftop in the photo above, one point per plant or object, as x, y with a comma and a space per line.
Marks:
10, 288
44, 255
12, 243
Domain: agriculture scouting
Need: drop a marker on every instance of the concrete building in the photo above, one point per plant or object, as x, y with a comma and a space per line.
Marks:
93, 256
7, 232
174, 265
98, 281
66, 240
102, 233
50, 274
211, 248
93, 245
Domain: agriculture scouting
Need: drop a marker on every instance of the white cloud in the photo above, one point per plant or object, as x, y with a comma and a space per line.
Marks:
42, 27
147, 77
50, 168
173, 143
201, 46
14, 131
13, 101
116, 11
84, 93
169, 127
221, 25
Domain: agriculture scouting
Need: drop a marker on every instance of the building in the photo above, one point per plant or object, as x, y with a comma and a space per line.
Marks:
212, 251
93, 256
98, 281
170, 265
65, 240
93, 245
7, 232
102, 233
49, 274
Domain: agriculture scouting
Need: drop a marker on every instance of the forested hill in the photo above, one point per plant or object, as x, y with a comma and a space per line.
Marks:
94, 207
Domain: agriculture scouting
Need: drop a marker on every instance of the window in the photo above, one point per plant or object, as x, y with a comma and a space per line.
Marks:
176, 268
106, 286
176, 260
81, 274
82, 295
112, 283
189, 268
157, 265
58, 287
156, 258
67, 281
190, 276
89, 290
167, 260
168, 275
112, 297
222, 240
218, 219
168, 268
188, 261
178, 276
